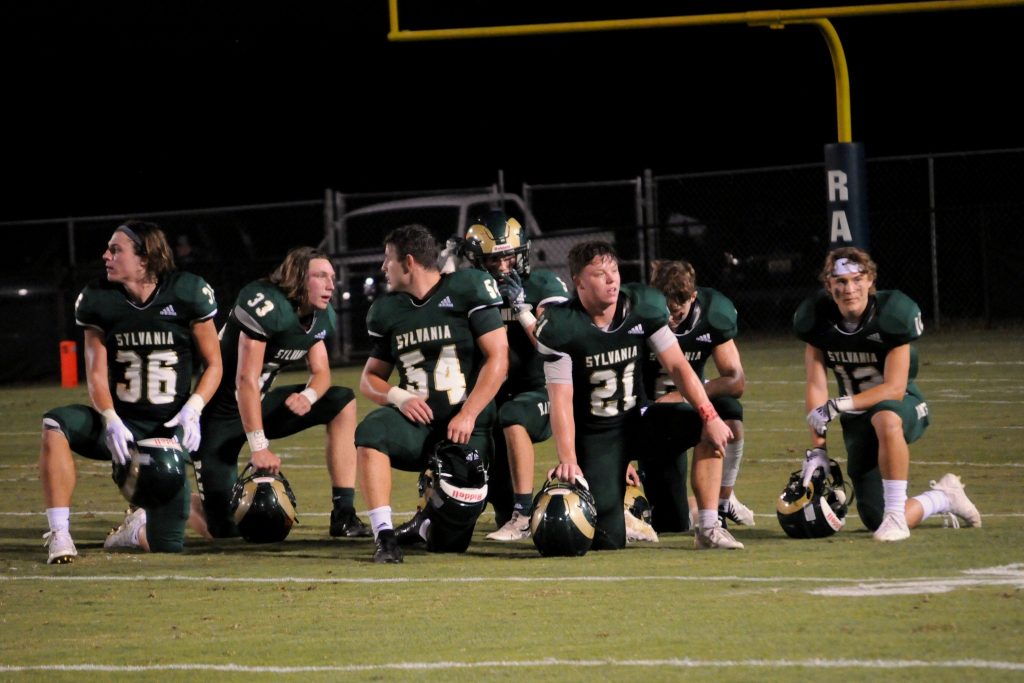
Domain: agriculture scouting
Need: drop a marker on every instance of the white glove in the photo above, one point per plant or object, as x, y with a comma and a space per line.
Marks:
117, 437
826, 412
188, 419
450, 257
813, 459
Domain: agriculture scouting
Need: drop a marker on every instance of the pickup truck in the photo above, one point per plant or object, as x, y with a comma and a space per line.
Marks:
356, 247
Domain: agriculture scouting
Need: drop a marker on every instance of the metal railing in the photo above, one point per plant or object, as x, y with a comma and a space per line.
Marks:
944, 228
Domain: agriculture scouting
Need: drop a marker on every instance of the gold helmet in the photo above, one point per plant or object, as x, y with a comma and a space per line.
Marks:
497, 234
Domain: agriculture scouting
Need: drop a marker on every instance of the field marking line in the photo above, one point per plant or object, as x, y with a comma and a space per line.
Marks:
684, 663
1005, 575
1011, 574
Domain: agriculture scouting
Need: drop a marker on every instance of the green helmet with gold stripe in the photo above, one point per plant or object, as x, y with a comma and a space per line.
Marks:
494, 236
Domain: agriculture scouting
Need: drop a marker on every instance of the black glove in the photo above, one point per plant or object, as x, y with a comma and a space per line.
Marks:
511, 288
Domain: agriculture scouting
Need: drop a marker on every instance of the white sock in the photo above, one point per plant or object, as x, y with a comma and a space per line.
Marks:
58, 518
933, 503
424, 528
895, 491
706, 519
380, 519
731, 464
724, 504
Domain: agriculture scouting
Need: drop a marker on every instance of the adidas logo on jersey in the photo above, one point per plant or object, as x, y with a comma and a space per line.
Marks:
636, 329
446, 303
322, 334
875, 337
168, 310
706, 338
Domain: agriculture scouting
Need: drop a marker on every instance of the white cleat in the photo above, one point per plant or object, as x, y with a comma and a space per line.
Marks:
735, 511
514, 529
893, 528
959, 504
715, 537
127, 535
62, 548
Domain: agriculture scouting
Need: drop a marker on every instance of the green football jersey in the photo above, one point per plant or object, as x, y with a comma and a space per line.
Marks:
606, 365
263, 312
711, 321
858, 357
149, 347
433, 341
541, 288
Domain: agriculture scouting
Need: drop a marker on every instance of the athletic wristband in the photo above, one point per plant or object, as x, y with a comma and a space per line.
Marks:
398, 397
196, 403
257, 441
109, 415
526, 318
310, 395
707, 412
844, 404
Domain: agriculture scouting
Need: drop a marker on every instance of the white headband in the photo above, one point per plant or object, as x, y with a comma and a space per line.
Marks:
845, 266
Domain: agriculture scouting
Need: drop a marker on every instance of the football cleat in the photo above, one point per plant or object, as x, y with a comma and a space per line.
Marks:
62, 548
408, 533
387, 550
737, 512
715, 537
959, 504
345, 522
127, 534
515, 529
893, 528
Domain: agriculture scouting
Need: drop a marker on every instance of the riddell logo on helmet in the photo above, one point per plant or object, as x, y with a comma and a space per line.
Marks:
466, 495
160, 442
831, 517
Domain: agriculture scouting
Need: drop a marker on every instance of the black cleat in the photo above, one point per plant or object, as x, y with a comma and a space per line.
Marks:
345, 522
387, 551
409, 532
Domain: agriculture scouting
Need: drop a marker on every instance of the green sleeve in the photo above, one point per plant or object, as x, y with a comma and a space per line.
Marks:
805, 318
899, 317
197, 294
259, 310
721, 315
649, 305
553, 328
86, 312
474, 289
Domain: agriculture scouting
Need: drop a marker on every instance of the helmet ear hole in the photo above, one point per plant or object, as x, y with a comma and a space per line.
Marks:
263, 506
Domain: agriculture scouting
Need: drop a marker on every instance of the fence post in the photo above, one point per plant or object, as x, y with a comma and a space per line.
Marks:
936, 311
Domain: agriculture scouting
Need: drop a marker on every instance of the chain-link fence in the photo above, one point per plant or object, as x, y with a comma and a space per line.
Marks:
49, 261
944, 229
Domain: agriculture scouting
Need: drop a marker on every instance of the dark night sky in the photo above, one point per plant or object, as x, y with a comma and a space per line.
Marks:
164, 107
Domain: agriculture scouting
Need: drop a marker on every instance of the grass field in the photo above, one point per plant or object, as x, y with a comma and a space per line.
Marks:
945, 605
